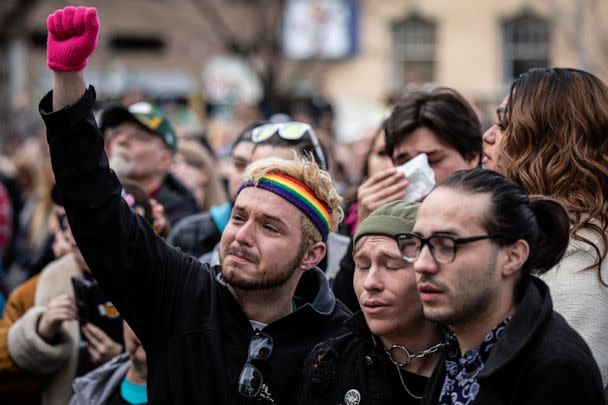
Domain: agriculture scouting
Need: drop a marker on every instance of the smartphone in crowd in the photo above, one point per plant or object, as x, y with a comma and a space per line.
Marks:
93, 307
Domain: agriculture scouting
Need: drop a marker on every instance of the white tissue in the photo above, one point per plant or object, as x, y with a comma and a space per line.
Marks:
421, 177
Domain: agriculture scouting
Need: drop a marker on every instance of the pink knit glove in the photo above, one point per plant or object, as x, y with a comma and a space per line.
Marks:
72, 38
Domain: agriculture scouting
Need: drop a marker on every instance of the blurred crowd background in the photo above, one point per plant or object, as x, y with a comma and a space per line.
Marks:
216, 66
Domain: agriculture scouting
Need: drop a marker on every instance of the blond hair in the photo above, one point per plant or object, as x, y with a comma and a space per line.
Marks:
306, 171
196, 155
35, 176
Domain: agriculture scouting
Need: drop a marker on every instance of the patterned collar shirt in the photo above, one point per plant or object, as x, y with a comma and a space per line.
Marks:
460, 385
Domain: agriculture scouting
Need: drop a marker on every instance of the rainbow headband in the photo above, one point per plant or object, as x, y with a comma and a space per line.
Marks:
298, 194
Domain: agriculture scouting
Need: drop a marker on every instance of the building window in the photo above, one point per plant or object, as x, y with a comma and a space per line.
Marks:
37, 39
414, 40
136, 43
526, 44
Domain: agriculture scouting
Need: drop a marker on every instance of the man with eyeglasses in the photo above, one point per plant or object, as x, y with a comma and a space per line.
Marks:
141, 142
476, 241
235, 333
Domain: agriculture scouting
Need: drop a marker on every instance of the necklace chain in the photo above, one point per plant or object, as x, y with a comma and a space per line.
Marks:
405, 386
409, 358
430, 350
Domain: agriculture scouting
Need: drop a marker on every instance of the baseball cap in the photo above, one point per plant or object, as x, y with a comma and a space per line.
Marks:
389, 220
148, 116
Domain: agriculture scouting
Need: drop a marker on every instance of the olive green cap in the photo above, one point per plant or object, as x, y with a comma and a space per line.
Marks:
389, 220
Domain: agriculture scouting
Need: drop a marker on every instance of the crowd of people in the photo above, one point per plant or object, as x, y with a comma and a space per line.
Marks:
135, 271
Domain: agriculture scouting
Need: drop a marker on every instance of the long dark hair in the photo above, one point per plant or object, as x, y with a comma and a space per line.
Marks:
542, 222
556, 144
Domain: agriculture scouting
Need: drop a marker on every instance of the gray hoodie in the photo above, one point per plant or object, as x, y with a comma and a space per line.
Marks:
96, 387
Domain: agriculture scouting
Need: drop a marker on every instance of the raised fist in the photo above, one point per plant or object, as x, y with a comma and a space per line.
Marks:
72, 38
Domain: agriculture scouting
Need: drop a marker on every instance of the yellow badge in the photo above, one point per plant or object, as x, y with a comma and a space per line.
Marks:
108, 310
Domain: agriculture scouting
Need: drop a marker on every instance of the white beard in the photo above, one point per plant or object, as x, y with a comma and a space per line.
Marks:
121, 163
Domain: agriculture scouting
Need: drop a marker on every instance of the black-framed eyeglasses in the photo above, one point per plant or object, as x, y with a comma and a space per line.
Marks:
443, 247
251, 380
290, 131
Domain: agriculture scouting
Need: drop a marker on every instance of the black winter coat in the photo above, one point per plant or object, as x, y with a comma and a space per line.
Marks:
195, 334
354, 367
539, 359
195, 235
177, 201
343, 284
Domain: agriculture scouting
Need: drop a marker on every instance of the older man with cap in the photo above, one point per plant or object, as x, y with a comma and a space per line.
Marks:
141, 142
391, 349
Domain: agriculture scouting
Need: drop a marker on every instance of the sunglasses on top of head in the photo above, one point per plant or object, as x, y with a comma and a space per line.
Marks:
290, 131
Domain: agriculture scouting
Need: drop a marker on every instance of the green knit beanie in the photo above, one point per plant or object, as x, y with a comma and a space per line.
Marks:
389, 220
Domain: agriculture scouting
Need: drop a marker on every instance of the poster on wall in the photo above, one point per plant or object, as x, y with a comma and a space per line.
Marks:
320, 29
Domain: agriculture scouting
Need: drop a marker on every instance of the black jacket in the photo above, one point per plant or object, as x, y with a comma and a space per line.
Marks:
177, 201
195, 334
539, 359
355, 362
343, 283
196, 234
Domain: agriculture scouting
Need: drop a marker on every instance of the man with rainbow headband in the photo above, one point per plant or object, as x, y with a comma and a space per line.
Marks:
234, 333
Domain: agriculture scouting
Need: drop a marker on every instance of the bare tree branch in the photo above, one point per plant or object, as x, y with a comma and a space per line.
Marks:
11, 24
11, 18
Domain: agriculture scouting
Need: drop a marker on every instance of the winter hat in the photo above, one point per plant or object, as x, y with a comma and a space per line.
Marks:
146, 115
389, 220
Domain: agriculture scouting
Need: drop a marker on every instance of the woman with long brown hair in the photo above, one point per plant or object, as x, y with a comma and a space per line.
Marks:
555, 143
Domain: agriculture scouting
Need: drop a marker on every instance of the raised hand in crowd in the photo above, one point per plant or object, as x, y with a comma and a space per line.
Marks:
162, 292
61, 308
72, 37
381, 188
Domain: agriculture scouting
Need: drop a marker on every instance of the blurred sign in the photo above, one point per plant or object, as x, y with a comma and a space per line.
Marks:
320, 29
355, 117
116, 80
231, 79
